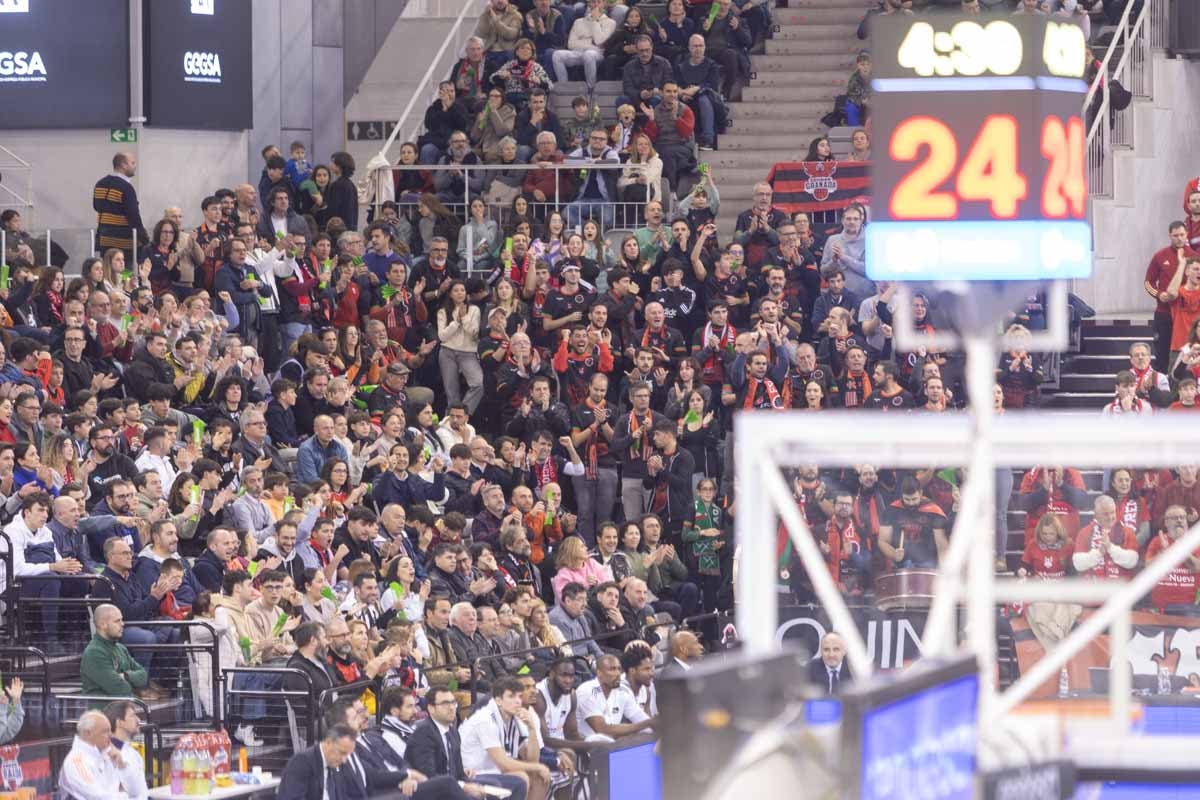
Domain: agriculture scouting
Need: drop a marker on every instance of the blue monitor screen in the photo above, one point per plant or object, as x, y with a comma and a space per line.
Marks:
922, 745
634, 773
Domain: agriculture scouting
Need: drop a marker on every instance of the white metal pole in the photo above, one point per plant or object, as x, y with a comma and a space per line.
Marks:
137, 114
1126, 596
757, 603
818, 572
1120, 680
981, 571
48, 234
939, 639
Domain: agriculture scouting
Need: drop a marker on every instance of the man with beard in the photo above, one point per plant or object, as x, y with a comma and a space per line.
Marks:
451, 184
555, 705
164, 544
787, 311
806, 370
755, 386
282, 547
914, 532
713, 347
854, 386
1175, 592
608, 711
309, 658
888, 394
514, 560
845, 252
441, 649
847, 549
870, 503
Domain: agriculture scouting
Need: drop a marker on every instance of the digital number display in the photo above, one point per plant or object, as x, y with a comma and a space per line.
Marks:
982, 174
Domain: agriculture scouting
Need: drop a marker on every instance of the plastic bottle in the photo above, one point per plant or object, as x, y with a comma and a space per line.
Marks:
189, 771
204, 782
221, 768
1164, 680
1064, 683
177, 772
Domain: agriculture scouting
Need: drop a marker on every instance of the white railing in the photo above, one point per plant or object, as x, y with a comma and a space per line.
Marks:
12, 166
1136, 36
625, 214
409, 124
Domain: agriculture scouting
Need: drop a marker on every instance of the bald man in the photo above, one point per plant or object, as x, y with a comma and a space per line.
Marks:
686, 650
107, 669
94, 769
1105, 549
830, 670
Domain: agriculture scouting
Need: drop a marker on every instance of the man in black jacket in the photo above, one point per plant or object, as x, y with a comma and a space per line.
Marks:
444, 116
669, 479
699, 84
309, 658
210, 566
532, 121
643, 77
149, 366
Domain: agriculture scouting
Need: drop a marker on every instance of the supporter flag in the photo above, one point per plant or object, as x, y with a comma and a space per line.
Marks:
819, 185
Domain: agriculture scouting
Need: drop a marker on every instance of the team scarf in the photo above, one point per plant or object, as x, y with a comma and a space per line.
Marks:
1128, 511
56, 306
658, 338
868, 503
841, 541
773, 399
545, 472
641, 435
712, 370
594, 444
857, 388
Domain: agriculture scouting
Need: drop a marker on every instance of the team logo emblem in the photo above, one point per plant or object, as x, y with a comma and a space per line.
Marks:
820, 183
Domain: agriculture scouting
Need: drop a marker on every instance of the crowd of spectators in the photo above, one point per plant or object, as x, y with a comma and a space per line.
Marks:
354, 458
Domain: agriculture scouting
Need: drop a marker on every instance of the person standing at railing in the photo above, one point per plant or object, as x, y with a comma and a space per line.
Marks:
547, 183
671, 126
115, 201
599, 186
453, 185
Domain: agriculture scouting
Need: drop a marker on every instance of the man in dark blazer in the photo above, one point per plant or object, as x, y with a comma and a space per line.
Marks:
312, 774
830, 670
369, 771
436, 749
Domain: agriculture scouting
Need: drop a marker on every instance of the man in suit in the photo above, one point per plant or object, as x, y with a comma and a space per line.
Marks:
436, 749
371, 768
830, 670
311, 774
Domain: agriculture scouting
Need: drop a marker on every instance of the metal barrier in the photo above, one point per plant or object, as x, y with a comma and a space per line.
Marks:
15, 663
177, 677
288, 716
626, 214
8, 597
328, 697
475, 665
1133, 42
61, 247
60, 626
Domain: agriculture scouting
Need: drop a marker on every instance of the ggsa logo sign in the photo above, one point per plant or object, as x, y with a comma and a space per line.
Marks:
202, 67
14, 6
22, 66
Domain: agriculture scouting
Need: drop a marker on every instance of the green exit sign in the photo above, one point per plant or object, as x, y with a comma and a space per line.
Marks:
122, 135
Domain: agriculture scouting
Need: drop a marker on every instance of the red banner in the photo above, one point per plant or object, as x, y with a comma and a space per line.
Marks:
1158, 641
820, 185
25, 772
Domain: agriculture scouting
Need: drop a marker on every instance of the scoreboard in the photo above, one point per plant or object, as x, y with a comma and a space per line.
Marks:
979, 167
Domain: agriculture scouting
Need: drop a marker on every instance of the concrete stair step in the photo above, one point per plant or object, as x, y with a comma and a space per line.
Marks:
736, 177
844, 15
1109, 345
779, 91
794, 62
833, 44
724, 159
1093, 400
793, 140
801, 5
800, 111
1081, 382
842, 35
769, 127
830, 80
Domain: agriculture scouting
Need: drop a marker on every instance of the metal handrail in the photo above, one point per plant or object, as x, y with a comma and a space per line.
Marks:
187, 648
1107, 130
422, 89
282, 691
18, 654
475, 665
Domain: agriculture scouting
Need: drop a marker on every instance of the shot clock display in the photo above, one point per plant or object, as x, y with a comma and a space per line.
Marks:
979, 172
